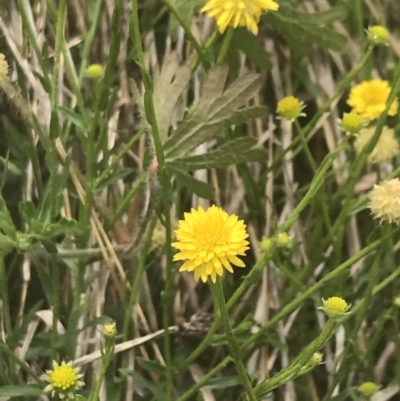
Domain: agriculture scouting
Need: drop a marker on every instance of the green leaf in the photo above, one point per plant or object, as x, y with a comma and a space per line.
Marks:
27, 210
236, 151
157, 391
222, 382
303, 30
6, 222
20, 391
185, 9
169, 85
214, 111
113, 178
199, 188
151, 366
248, 44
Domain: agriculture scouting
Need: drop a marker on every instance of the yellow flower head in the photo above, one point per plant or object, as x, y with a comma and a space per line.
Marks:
95, 71
378, 35
3, 66
368, 389
384, 201
334, 307
64, 380
238, 12
386, 147
369, 99
210, 240
351, 123
290, 108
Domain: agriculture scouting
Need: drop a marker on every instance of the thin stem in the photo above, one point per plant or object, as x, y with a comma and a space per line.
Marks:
306, 148
57, 52
233, 300
225, 45
4, 296
220, 305
186, 27
56, 305
204, 379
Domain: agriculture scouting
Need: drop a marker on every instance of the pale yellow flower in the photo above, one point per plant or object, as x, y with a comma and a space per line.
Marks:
384, 201
369, 99
238, 12
210, 240
334, 307
378, 35
368, 389
95, 71
64, 380
351, 123
386, 147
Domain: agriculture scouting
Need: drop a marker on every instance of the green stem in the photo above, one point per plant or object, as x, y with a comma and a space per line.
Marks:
105, 362
220, 305
299, 365
56, 305
57, 52
250, 278
186, 27
210, 374
19, 362
5, 298
89, 39
225, 45
119, 156
306, 148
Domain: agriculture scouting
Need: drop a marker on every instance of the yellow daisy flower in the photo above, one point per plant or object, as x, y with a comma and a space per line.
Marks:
210, 240
64, 380
384, 201
238, 12
369, 99
386, 147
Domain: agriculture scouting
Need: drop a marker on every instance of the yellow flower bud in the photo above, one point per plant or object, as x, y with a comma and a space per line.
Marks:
282, 239
334, 307
109, 330
351, 123
368, 389
290, 108
95, 71
378, 35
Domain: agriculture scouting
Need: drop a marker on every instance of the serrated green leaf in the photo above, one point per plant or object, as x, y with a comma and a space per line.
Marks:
249, 45
237, 151
20, 390
212, 115
169, 85
303, 30
199, 188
